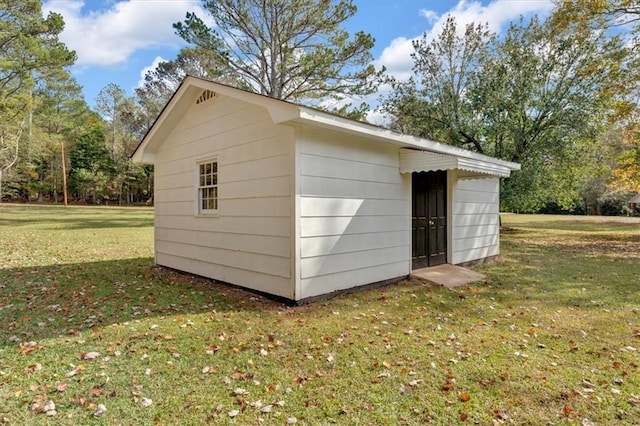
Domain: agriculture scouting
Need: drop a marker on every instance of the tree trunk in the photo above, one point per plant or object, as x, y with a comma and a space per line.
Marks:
64, 175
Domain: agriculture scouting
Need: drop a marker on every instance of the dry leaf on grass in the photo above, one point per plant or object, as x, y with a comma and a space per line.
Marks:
89, 355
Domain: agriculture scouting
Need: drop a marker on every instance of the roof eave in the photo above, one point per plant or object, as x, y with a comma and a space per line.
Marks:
320, 119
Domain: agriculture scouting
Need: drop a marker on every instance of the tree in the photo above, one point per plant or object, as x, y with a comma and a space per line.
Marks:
539, 96
286, 49
435, 103
60, 117
91, 166
161, 82
626, 173
109, 103
29, 48
623, 17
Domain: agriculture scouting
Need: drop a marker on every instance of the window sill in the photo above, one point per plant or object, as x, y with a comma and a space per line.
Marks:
206, 215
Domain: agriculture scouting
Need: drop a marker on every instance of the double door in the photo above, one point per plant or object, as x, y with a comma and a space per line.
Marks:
429, 219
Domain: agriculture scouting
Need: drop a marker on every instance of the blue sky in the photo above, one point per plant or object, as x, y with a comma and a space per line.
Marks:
118, 40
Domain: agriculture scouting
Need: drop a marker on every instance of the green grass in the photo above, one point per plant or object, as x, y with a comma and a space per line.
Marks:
551, 337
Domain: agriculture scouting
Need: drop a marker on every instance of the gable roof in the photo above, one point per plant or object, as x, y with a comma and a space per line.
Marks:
635, 199
284, 112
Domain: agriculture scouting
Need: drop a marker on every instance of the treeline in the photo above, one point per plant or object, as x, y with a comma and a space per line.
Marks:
69, 153
53, 147
558, 95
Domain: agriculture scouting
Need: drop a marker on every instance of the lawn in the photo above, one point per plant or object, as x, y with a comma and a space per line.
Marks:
91, 332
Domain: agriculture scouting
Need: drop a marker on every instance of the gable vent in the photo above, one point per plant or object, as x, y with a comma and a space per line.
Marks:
205, 96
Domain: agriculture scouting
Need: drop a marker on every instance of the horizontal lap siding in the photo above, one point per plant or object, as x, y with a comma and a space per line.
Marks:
475, 219
354, 213
249, 242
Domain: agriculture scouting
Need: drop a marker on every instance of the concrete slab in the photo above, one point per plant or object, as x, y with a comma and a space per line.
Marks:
450, 276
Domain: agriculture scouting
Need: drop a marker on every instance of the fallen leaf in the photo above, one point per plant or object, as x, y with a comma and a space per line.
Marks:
447, 386
464, 397
292, 421
49, 409
567, 410
26, 348
100, 410
75, 371
33, 368
266, 408
89, 355
301, 379
233, 413
96, 391
146, 402
501, 414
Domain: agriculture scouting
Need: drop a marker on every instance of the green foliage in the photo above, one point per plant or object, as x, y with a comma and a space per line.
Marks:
29, 49
286, 49
91, 167
539, 96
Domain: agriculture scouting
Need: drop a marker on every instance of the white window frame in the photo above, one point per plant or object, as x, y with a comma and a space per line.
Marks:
207, 182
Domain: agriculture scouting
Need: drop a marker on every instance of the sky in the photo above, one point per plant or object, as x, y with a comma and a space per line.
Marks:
117, 41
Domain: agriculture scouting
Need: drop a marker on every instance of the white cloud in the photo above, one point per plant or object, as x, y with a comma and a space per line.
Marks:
397, 56
110, 37
145, 70
432, 16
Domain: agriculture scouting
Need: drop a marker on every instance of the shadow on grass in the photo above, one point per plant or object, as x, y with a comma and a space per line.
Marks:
70, 219
56, 300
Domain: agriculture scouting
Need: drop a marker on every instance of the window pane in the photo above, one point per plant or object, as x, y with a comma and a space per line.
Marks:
207, 182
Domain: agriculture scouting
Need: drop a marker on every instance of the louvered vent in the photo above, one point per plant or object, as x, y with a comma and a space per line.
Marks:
205, 96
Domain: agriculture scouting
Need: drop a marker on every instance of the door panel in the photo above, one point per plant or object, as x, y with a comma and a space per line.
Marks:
429, 219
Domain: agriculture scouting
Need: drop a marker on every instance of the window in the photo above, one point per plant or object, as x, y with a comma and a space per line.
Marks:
208, 187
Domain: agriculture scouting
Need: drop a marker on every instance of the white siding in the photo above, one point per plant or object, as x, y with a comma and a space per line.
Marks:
249, 242
474, 222
354, 208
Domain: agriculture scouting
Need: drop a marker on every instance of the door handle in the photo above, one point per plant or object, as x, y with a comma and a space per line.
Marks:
431, 223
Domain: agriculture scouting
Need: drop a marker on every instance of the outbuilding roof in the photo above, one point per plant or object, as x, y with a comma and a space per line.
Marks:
283, 112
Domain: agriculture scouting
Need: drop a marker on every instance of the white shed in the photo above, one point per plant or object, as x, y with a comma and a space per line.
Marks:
298, 203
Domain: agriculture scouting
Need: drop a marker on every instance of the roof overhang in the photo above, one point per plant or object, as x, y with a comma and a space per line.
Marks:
414, 160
